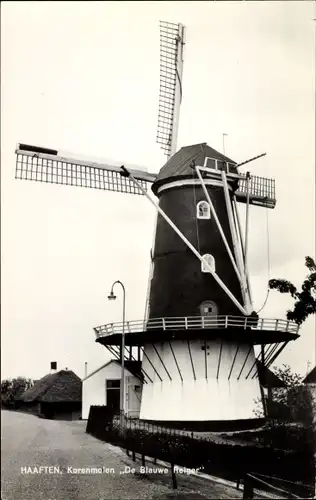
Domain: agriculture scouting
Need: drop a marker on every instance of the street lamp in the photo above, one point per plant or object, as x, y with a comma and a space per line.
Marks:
122, 386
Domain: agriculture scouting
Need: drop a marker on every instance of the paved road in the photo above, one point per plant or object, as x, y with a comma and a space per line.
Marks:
28, 441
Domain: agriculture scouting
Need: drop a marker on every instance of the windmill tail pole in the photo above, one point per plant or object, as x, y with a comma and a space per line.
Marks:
251, 159
126, 173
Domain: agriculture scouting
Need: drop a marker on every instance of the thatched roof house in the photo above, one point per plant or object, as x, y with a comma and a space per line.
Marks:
62, 386
58, 393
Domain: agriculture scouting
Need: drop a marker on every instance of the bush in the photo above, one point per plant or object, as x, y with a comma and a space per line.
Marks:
229, 460
12, 390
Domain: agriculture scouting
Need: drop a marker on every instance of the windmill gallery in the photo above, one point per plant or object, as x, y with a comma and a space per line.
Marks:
191, 362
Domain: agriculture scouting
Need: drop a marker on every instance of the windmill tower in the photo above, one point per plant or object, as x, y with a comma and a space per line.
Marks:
196, 342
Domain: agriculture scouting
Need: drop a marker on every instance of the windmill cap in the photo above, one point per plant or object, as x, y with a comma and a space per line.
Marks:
179, 166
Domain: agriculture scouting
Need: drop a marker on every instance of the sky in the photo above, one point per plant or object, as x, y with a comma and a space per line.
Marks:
83, 78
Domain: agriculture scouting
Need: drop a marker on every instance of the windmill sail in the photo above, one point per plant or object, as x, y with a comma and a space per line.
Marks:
170, 91
45, 165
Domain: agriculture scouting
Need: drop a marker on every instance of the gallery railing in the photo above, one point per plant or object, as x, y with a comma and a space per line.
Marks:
197, 322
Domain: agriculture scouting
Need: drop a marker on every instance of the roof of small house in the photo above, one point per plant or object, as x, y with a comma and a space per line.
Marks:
133, 366
267, 378
180, 164
311, 377
63, 386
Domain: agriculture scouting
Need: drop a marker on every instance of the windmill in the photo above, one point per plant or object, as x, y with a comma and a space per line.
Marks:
196, 342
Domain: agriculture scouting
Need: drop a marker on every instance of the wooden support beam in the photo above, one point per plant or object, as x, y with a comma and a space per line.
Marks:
112, 351
269, 356
142, 370
278, 353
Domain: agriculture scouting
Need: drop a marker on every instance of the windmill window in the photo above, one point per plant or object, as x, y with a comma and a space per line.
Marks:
207, 259
209, 308
203, 210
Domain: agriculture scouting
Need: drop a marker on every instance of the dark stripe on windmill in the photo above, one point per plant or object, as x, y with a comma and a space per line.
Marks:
255, 364
252, 367
147, 357
219, 358
163, 364
263, 361
175, 359
244, 363
233, 363
146, 375
188, 343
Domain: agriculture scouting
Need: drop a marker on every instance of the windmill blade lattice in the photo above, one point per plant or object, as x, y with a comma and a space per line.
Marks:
35, 164
171, 43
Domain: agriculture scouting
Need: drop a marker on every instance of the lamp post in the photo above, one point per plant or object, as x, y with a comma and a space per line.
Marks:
122, 386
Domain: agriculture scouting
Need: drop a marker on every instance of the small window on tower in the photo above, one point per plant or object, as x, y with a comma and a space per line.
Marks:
203, 210
208, 308
208, 260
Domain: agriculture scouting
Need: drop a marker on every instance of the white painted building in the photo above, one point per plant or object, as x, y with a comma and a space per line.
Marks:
102, 387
